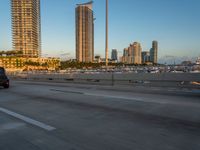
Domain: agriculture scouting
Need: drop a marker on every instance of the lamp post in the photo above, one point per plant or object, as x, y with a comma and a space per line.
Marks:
106, 50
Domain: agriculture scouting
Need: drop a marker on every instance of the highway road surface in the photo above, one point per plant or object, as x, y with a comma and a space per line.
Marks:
61, 116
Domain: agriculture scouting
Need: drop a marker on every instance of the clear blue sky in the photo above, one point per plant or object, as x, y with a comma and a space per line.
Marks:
175, 24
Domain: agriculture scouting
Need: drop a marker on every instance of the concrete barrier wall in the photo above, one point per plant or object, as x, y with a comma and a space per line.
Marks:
162, 76
125, 76
144, 79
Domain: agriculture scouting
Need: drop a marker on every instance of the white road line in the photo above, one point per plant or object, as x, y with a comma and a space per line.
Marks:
110, 96
127, 98
27, 119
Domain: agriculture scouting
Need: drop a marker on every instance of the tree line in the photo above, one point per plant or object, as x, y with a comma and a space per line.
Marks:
11, 53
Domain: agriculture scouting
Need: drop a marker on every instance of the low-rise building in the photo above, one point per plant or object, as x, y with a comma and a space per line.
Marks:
13, 63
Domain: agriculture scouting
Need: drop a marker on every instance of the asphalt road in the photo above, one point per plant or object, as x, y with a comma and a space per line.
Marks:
56, 116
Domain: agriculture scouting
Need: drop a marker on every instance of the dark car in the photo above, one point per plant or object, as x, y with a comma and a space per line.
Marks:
4, 81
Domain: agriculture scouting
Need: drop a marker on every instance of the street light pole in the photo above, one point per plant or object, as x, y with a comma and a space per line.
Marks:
106, 52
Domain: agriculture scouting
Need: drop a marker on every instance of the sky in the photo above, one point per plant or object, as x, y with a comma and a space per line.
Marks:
175, 24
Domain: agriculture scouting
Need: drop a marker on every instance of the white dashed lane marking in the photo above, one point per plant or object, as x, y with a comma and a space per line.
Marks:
27, 119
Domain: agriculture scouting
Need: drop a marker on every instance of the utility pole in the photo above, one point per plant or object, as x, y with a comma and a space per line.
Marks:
106, 51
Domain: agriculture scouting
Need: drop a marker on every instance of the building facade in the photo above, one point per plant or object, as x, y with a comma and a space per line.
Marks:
26, 27
145, 57
137, 52
114, 55
154, 52
84, 32
13, 63
125, 55
132, 54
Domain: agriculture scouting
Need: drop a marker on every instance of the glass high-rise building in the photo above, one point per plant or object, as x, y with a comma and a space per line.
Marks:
145, 57
114, 55
154, 52
26, 27
84, 32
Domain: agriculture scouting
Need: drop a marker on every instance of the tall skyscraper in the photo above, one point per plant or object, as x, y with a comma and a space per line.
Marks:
137, 52
26, 27
145, 57
84, 32
125, 55
132, 54
154, 52
114, 55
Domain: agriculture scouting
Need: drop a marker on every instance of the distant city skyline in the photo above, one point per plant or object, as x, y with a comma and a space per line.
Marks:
173, 23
